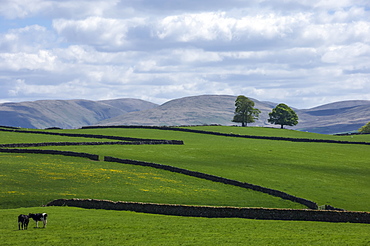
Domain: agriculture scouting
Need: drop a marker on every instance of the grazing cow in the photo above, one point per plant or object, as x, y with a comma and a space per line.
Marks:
39, 217
23, 221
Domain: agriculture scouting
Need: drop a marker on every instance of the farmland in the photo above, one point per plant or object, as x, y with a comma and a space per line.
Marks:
326, 173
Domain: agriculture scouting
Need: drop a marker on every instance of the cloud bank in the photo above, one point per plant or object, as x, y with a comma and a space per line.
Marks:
303, 54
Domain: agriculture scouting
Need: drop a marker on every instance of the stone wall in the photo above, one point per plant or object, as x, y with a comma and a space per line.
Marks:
220, 212
159, 141
233, 135
52, 152
27, 145
214, 178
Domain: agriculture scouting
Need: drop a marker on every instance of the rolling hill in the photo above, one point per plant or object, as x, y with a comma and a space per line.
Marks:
66, 113
196, 110
338, 117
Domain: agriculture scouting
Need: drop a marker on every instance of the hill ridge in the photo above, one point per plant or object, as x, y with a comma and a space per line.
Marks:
66, 113
336, 117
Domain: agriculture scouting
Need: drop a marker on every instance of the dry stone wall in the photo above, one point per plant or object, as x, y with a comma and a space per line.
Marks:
27, 145
233, 135
219, 212
272, 192
153, 141
183, 210
52, 152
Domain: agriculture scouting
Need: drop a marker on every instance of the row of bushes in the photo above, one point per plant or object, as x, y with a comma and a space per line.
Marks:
233, 135
219, 212
272, 192
51, 152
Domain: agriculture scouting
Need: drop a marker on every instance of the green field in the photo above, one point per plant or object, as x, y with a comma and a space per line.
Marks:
75, 226
24, 175
335, 174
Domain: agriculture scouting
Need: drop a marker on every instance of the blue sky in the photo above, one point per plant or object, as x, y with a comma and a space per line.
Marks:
302, 53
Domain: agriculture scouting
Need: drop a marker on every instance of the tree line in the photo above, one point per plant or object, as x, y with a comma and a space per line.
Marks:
245, 113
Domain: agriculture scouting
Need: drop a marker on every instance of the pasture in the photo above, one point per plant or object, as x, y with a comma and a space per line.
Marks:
326, 173
75, 226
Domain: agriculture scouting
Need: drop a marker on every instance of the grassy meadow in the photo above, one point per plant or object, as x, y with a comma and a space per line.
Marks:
75, 226
23, 176
335, 174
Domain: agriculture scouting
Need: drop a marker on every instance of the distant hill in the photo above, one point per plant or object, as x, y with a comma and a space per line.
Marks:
66, 113
195, 110
338, 117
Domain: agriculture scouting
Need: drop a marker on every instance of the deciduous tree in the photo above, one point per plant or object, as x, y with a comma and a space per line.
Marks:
282, 115
365, 128
244, 111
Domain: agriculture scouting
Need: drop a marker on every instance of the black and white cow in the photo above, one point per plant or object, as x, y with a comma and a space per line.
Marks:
23, 221
39, 217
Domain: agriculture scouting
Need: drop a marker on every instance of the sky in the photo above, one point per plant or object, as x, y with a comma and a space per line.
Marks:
303, 53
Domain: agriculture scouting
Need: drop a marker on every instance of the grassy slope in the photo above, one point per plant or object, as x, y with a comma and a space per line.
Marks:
277, 132
335, 174
261, 162
24, 175
18, 137
74, 226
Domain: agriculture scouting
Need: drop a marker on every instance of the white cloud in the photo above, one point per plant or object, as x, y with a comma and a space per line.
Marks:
13, 9
42, 60
57, 91
218, 26
333, 4
22, 8
348, 55
195, 56
303, 53
337, 33
92, 31
354, 13
27, 39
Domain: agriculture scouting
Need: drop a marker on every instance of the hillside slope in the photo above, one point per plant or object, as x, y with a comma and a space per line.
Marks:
66, 113
338, 117
195, 110
345, 116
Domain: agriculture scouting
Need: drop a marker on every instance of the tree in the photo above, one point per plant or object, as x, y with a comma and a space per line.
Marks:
365, 128
245, 112
283, 115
